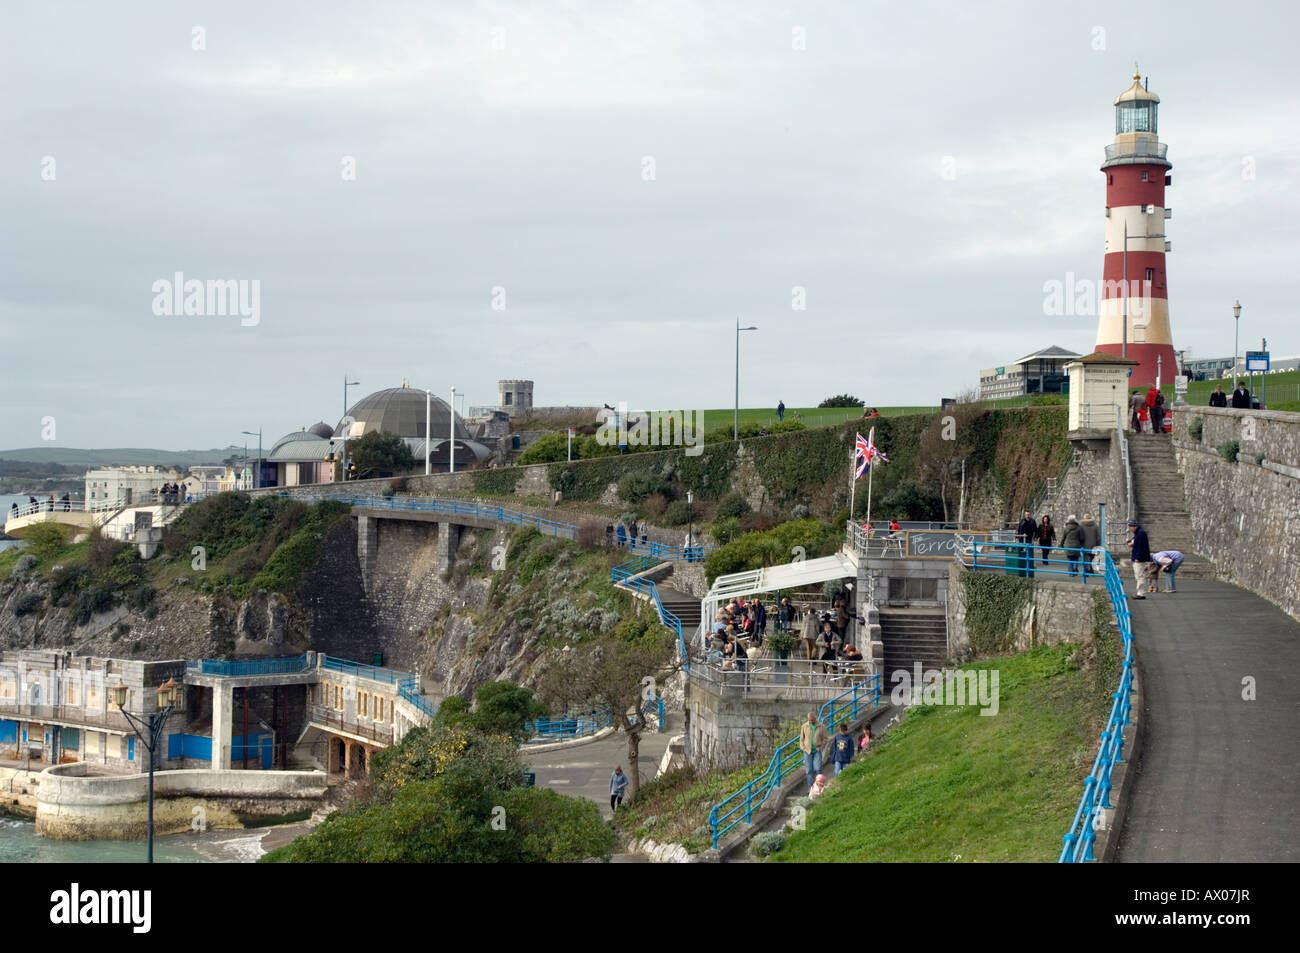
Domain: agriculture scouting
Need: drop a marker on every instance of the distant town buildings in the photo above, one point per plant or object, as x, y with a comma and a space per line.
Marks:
134, 483
1042, 372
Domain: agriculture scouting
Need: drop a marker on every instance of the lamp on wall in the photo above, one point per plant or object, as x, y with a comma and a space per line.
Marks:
148, 728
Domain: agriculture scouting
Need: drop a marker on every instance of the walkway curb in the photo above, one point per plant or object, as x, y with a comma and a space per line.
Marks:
571, 743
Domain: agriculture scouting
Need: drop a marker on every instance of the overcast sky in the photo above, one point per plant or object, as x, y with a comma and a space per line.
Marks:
920, 170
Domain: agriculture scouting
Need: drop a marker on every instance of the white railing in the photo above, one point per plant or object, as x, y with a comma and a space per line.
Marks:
63, 506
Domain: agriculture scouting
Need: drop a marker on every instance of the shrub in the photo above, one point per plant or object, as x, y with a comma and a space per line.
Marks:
756, 522
23, 565
90, 601
787, 426
27, 603
552, 448
1228, 450
676, 513
1195, 427
1259, 458
142, 598
841, 400
46, 539
64, 583
766, 843
725, 531
590, 534
640, 485
653, 506
733, 505
800, 512
387, 492
770, 547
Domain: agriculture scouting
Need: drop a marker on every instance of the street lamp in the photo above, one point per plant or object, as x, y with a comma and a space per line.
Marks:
428, 408
149, 730
690, 525
259, 453
343, 464
1236, 334
735, 425
451, 431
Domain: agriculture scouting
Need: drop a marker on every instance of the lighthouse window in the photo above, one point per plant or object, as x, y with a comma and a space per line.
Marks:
1151, 274
1144, 177
1135, 117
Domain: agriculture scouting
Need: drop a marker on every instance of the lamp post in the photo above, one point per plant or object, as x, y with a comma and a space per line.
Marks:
343, 464
451, 431
428, 409
735, 425
1236, 335
148, 729
259, 453
690, 525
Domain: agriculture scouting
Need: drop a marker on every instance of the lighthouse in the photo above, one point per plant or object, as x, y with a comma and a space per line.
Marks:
1134, 319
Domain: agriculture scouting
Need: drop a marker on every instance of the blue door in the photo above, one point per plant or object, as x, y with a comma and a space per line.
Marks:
266, 753
130, 749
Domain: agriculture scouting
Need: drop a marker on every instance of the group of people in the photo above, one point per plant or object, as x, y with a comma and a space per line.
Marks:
814, 739
171, 493
1147, 412
1148, 566
624, 534
64, 503
1077, 535
1240, 399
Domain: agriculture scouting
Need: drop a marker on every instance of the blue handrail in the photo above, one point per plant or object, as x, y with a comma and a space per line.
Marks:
264, 666
740, 805
568, 726
626, 574
1088, 817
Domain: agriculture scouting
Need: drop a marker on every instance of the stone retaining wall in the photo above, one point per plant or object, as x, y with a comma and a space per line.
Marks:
74, 805
1057, 611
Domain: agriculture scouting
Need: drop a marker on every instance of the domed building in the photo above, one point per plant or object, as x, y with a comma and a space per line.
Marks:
309, 455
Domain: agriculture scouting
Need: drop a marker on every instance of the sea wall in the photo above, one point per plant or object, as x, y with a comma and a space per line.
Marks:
73, 804
1246, 514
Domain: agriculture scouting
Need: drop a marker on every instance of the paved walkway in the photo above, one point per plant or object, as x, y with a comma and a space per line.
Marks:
584, 771
1218, 776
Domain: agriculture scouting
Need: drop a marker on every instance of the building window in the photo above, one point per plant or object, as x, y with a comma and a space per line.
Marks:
1144, 176
1151, 274
72, 693
338, 697
362, 704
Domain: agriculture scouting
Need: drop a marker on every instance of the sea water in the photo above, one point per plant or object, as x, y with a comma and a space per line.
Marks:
19, 844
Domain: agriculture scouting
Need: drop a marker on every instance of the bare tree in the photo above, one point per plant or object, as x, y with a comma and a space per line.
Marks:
946, 444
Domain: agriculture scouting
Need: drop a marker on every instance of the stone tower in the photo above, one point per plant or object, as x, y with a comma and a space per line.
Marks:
515, 397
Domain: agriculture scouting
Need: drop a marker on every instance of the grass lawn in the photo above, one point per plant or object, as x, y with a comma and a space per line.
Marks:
811, 416
950, 784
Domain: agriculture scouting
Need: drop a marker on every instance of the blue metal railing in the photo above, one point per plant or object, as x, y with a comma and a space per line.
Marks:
1097, 786
740, 806
375, 673
1026, 559
568, 726
265, 666
626, 574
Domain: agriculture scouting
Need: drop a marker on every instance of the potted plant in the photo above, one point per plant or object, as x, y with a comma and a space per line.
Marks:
781, 643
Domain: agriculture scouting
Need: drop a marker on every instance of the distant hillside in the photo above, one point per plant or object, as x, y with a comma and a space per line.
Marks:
122, 456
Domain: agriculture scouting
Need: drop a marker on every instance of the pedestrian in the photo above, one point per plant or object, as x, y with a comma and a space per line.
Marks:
1141, 559
864, 738
818, 788
645, 542
622, 535
50, 504
1073, 542
894, 526
1090, 539
13, 510
760, 622
1046, 536
609, 534
1135, 405
842, 618
784, 616
617, 786
809, 632
1027, 535
67, 503
741, 659
1218, 398
1158, 413
1167, 561
842, 747
780, 410
1241, 397
812, 738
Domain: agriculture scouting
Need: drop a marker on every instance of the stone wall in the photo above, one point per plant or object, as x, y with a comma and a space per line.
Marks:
1056, 612
1095, 476
74, 805
1246, 515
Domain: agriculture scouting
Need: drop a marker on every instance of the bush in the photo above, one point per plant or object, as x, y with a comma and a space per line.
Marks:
640, 485
1195, 427
590, 534
771, 547
800, 512
725, 531
653, 507
23, 565
552, 448
142, 598
64, 583
27, 603
90, 601
46, 539
676, 513
787, 426
766, 843
732, 505
1228, 450
1259, 458
841, 400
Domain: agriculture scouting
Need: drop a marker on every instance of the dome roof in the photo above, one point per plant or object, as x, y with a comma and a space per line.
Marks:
400, 411
321, 429
1136, 93
295, 437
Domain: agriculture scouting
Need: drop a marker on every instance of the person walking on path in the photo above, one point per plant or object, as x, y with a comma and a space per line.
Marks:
1072, 540
1046, 537
1141, 559
780, 410
617, 787
1135, 405
812, 738
1168, 561
842, 749
810, 632
1218, 398
1090, 539
1241, 397
1026, 535
864, 737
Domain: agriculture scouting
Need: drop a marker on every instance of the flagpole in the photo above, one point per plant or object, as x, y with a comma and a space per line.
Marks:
853, 480
870, 471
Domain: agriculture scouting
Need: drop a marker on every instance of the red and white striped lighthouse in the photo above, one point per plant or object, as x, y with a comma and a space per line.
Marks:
1134, 321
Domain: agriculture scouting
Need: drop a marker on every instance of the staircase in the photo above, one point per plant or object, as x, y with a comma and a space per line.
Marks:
686, 608
1161, 502
913, 635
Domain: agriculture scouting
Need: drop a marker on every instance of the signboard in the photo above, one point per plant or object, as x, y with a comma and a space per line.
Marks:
1257, 361
1180, 385
938, 544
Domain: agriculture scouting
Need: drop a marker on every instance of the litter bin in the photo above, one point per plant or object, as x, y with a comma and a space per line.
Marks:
377, 659
530, 779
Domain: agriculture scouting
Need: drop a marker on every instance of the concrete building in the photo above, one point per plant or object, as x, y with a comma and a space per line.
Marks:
127, 483
1042, 372
1134, 315
515, 398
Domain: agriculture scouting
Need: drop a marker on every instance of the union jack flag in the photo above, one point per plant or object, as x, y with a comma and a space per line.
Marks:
861, 458
872, 451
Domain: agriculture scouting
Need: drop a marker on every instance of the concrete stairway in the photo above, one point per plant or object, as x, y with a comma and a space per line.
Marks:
1161, 502
913, 635
686, 608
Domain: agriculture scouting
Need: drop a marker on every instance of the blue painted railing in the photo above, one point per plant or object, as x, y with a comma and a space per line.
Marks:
264, 666
1026, 559
626, 574
1097, 786
568, 726
375, 673
739, 807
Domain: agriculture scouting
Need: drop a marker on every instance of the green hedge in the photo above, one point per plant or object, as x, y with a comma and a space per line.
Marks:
498, 482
